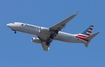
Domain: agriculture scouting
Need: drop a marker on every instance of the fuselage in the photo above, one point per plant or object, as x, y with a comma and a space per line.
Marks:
43, 32
46, 35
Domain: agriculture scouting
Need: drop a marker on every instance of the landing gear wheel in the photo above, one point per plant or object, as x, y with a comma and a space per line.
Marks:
14, 32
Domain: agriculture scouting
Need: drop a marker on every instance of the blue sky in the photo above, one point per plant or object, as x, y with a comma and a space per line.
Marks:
17, 50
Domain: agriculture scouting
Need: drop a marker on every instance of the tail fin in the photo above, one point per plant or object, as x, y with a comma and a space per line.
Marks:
88, 31
89, 38
87, 35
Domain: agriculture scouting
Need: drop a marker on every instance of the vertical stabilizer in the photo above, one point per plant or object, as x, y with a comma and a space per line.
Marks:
88, 31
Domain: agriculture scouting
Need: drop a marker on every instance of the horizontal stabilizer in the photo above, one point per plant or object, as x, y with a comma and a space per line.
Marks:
92, 36
89, 38
86, 44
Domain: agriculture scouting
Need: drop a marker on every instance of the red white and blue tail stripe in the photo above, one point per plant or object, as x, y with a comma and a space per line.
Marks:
85, 33
88, 31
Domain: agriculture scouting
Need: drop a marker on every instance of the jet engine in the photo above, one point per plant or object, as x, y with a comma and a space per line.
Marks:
36, 40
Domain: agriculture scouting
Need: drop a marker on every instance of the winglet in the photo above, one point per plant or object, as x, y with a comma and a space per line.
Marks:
77, 12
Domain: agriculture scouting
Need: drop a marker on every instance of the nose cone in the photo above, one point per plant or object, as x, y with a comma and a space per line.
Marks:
8, 25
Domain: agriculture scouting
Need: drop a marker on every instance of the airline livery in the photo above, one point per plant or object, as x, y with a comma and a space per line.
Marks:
46, 35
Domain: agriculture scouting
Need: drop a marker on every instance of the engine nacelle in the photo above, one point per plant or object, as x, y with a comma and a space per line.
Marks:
36, 40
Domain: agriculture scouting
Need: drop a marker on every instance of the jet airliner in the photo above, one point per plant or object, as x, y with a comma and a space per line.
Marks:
46, 35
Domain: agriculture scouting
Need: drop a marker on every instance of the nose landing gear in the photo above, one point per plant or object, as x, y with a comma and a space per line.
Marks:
14, 31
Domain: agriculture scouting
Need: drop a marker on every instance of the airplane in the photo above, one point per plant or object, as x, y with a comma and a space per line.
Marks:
46, 35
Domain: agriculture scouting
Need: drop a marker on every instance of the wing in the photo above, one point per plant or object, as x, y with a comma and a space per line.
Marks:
62, 24
53, 31
45, 42
45, 46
